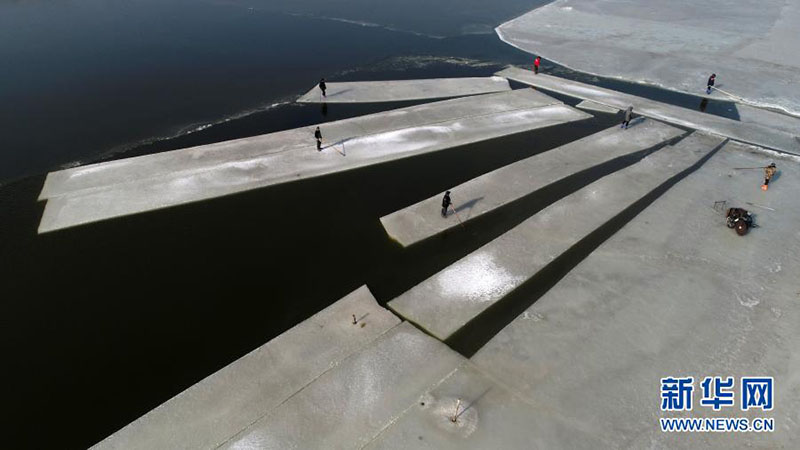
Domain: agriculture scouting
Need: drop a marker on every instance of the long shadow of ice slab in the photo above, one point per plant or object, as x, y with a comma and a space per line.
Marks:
747, 132
452, 298
675, 290
514, 181
136, 185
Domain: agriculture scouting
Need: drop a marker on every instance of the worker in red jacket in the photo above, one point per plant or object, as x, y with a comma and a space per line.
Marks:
536, 63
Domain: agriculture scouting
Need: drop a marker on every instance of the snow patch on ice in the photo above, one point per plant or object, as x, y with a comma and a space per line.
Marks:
477, 278
404, 135
747, 300
536, 317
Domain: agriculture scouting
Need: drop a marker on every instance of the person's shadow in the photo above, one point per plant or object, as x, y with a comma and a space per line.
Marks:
468, 205
635, 121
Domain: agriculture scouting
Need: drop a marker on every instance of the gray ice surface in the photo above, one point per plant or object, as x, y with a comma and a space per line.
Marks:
500, 187
349, 405
772, 119
594, 106
403, 90
226, 402
674, 293
751, 46
448, 300
488, 417
206, 157
747, 132
135, 185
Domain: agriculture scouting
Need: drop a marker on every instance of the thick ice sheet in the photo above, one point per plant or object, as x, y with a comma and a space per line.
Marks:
488, 417
514, 181
447, 301
771, 119
226, 402
751, 46
747, 132
674, 293
349, 405
239, 175
594, 106
401, 90
206, 157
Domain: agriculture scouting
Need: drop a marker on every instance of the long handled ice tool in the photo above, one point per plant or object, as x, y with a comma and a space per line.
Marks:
729, 94
760, 206
457, 216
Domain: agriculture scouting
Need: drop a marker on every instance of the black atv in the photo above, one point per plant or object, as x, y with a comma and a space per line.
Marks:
739, 219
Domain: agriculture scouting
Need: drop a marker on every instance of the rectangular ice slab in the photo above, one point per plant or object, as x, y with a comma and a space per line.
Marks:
207, 157
447, 301
349, 405
215, 409
771, 119
674, 293
749, 133
488, 417
205, 173
594, 106
402, 90
514, 181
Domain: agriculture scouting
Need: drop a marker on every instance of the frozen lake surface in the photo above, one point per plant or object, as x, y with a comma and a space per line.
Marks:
449, 300
751, 131
751, 46
674, 293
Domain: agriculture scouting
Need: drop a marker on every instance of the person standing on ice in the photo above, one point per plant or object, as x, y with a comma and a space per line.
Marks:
322, 86
769, 172
627, 119
318, 136
536, 63
446, 203
711, 80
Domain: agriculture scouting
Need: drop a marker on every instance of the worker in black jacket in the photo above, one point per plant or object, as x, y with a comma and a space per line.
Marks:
711, 80
318, 136
446, 203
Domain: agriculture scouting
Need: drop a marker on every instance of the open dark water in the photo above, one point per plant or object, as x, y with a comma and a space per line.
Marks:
103, 322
